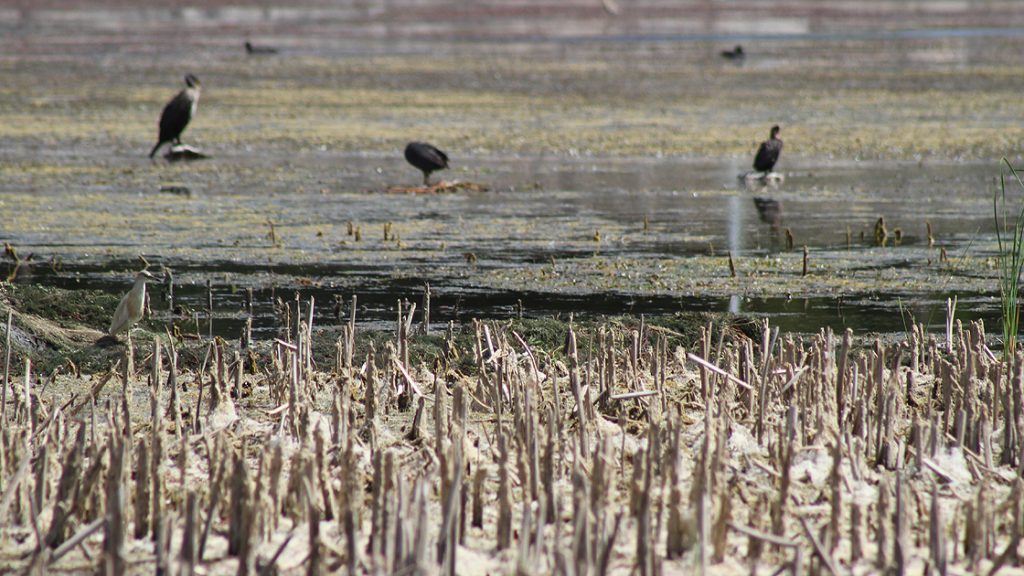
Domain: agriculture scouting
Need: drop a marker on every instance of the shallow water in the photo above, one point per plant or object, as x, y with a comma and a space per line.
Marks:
612, 148
692, 208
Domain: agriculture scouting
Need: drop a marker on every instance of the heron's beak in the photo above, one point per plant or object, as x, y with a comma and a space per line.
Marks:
149, 275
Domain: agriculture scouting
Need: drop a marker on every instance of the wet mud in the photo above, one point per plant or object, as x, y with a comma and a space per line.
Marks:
611, 166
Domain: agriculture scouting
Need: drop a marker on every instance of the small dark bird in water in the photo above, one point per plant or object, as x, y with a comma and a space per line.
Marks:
258, 50
425, 157
177, 114
768, 152
734, 54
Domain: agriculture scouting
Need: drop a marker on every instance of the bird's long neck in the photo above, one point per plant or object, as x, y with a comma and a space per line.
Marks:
192, 93
139, 289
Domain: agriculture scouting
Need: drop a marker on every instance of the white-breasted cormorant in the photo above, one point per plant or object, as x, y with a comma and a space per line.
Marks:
768, 152
178, 113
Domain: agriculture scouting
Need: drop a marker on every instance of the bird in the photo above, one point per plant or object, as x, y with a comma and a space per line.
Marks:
768, 152
426, 157
258, 50
177, 113
130, 309
734, 54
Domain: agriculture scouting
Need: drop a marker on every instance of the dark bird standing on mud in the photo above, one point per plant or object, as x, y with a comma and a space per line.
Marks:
734, 54
258, 50
768, 152
177, 113
425, 157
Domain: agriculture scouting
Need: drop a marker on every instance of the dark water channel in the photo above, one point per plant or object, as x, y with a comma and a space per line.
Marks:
377, 305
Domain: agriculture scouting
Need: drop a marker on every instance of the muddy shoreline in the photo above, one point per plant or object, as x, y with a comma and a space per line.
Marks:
304, 472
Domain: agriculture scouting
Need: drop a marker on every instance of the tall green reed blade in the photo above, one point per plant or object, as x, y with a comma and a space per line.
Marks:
1011, 262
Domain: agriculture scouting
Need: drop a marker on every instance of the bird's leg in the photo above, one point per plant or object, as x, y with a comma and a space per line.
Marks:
426, 179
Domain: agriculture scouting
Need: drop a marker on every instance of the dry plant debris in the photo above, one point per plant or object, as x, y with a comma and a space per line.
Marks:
442, 187
615, 455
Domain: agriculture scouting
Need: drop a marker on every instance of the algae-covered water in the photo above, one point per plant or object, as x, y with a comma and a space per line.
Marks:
610, 147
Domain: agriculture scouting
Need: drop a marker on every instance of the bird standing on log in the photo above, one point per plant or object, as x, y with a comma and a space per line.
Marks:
768, 152
426, 157
177, 114
131, 308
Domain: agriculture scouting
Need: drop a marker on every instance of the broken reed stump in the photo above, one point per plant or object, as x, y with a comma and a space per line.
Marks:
209, 309
817, 454
7, 369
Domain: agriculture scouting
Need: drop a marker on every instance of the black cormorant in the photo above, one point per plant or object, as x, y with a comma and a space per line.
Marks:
734, 54
258, 50
425, 157
768, 152
177, 114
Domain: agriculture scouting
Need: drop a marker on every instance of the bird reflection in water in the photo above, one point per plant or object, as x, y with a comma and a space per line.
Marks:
769, 210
